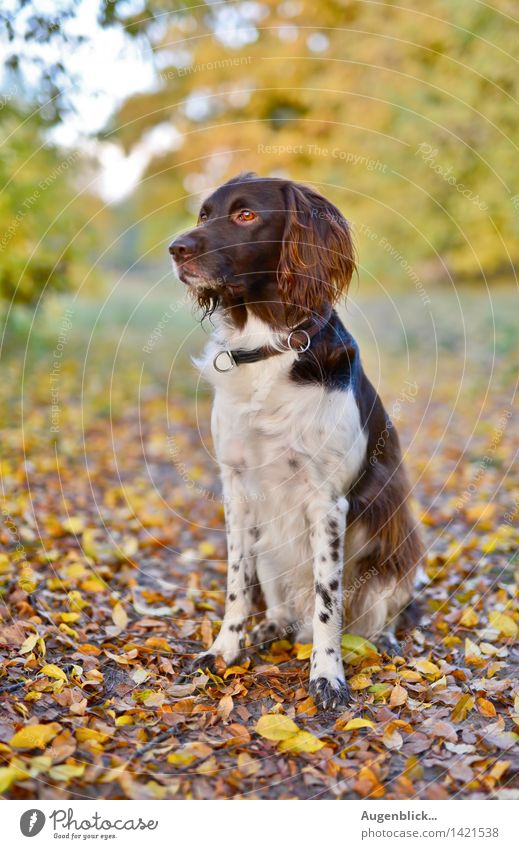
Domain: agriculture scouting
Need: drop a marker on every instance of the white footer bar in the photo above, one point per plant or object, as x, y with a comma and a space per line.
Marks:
262, 825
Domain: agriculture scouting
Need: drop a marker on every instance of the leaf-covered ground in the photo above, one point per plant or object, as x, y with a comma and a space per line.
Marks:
113, 571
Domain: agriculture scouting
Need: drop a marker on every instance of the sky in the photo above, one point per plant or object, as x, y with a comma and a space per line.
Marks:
110, 67
107, 68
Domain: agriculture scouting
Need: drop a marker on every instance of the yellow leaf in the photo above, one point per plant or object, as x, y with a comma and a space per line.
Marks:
75, 570
53, 671
94, 584
469, 618
8, 775
206, 549
73, 525
409, 675
158, 643
119, 616
88, 543
183, 757
472, 651
353, 724
488, 649
234, 670
76, 601
503, 623
29, 644
303, 651
380, 691
303, 741
64, 772
28, 579
276, 726
34, 736
360, 681
39, 764
481, 513
354, 647
499, 769
502, 540
462, 707
427, 668
69, 617
124, 720
83, 734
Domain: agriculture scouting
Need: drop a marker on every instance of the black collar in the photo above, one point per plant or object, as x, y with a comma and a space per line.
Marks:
298, 340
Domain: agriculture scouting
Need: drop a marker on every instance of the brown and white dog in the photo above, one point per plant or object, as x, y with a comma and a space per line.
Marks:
314, 487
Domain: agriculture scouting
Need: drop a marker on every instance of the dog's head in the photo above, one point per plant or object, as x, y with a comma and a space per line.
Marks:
267, 240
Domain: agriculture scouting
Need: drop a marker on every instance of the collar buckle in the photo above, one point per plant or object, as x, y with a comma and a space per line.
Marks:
302, 348
231, 362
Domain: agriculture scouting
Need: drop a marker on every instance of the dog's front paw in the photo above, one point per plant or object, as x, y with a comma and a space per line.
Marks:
266, 633
389, 644
329, 692
203, 662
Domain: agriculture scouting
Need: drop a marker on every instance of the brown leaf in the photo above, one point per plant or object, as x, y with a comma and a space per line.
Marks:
225, 707
485, 707
398, 696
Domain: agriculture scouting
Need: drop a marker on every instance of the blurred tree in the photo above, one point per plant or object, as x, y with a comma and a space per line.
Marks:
405, 117
45, 236
37, 37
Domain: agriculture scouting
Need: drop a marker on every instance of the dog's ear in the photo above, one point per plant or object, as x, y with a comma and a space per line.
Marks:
317, 254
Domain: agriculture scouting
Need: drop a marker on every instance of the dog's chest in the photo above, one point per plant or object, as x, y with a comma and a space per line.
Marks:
284, 431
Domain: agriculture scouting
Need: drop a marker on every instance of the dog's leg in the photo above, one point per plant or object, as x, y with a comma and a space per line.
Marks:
278, 622
328, 526
241, 535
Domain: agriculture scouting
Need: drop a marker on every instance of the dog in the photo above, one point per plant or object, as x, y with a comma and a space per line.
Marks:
315, 491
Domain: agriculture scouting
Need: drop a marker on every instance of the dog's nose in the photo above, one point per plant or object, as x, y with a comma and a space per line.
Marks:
182, 248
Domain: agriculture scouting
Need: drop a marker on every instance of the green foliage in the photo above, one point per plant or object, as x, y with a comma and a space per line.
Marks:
405, 117
44, 234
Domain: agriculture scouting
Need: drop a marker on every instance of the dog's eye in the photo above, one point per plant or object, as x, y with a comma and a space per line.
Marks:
202, 217
245, 216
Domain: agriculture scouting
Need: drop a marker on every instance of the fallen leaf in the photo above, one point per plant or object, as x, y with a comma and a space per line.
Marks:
359, 681
225, 707
53, 671
354, 724
34, 736
302, 741
398, 696
469, 618
64, 772
119, 616
275, 726
485, 707
462, 707
392, 738
427, 668
503, 623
